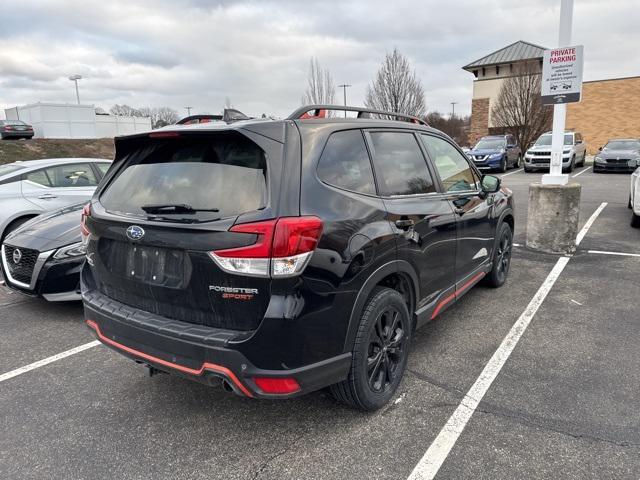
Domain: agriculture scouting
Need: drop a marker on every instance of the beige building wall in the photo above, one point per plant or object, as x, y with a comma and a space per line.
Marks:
609, 109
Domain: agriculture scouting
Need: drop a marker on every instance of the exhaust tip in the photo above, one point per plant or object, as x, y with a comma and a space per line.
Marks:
227, 386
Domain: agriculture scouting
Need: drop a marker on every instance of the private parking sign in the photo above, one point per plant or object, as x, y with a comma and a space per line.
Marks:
562, 75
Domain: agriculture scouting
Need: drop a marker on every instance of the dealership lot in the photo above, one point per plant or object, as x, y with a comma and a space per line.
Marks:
565, 403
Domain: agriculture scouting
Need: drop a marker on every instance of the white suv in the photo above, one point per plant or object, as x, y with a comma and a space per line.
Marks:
573, 152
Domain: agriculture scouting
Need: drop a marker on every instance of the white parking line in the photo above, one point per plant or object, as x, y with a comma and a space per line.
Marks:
601, 252
587, 225
48, 360
439, 450
580, 173
511, 173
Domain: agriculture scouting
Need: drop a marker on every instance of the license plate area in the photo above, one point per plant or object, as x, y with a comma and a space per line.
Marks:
150, 265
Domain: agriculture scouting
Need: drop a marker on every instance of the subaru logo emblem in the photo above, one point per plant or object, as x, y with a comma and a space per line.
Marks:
17, 256
135, 232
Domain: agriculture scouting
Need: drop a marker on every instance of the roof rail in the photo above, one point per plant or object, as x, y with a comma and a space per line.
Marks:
362, 113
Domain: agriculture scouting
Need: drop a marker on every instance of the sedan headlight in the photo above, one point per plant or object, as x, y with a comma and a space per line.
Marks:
495, 155
599, 160
70, 251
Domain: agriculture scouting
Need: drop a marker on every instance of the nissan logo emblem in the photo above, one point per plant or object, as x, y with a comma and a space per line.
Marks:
135, 232
17, 256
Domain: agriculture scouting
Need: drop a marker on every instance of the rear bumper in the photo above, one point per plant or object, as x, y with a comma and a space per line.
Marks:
22, 134
196, 352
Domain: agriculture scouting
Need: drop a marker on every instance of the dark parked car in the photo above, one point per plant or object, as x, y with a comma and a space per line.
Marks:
618, 155
44, 256
15, 129
496, 152
281, 257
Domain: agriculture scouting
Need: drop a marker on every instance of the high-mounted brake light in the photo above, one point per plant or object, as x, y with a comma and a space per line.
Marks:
86, 212
282, 248
163, 134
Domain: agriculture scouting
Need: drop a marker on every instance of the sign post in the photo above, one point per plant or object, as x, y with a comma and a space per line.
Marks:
561, 84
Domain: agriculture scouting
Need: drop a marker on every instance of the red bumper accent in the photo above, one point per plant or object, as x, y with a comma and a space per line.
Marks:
192, 371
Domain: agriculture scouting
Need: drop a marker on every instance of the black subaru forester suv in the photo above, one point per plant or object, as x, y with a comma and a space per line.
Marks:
281, 257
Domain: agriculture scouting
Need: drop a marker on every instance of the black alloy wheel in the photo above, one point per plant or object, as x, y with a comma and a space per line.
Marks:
385, 351
501, 257
380, 352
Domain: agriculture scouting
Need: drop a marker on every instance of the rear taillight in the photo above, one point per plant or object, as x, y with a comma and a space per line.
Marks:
86, 212
282, 248
277, 386
7, 127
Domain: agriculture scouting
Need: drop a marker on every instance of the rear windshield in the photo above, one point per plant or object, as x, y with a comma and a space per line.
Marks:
222, 175
12, 122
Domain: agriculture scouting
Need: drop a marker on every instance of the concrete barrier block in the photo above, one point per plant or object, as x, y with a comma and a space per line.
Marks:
552, 219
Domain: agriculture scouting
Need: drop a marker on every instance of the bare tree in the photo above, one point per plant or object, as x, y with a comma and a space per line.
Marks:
396, 87
320, 86
519, 110
454, 126
125, 111
160, 116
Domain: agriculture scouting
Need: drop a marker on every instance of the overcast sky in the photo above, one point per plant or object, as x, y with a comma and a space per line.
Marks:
197, 52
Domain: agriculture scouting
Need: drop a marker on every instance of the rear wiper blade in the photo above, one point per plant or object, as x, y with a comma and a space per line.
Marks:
175, 208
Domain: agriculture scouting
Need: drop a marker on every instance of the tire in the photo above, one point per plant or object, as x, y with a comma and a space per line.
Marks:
635, 220
501, 257
584, 159
517, 162
571, 166
372, 383
503, 165
527, 170
629, 206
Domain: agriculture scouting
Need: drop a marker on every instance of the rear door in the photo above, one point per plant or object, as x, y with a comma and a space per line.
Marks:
56, 187
162, 261
421, 217
473, 210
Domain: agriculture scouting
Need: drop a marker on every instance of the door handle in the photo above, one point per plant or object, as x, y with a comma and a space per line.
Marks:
405, 223
47, 196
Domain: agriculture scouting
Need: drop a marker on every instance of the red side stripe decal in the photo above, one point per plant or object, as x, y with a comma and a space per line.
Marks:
192, 371
457, 293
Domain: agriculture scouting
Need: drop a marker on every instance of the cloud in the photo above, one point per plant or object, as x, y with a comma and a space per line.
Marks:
197, 52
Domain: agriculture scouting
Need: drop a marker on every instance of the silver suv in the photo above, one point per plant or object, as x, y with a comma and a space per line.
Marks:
573, 152
30, 188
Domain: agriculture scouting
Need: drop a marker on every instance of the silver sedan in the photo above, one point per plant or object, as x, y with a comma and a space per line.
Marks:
32, 187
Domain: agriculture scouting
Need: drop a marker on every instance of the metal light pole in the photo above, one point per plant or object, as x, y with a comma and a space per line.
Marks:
344, 88
453, 109
555, 175
75, 78
188, 111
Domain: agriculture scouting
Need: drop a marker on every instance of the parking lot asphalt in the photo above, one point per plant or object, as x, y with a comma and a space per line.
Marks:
565, 404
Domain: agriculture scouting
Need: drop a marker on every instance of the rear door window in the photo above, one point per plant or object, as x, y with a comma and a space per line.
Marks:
222, 175
400, 167
345, 163
39, 177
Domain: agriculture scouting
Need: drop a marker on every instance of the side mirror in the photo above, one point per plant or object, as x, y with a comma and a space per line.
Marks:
600, 149
490, 184
578, 142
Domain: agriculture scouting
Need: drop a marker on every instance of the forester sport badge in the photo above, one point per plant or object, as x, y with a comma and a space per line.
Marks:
17, 256
135, 232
